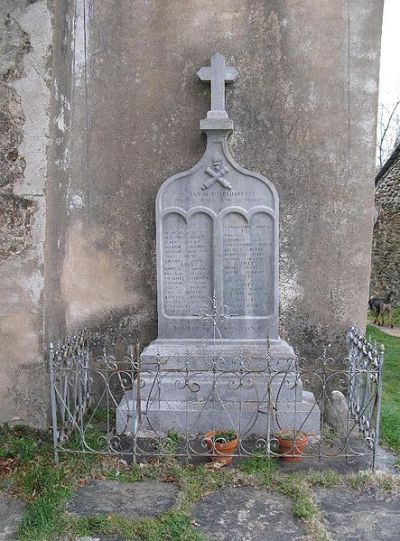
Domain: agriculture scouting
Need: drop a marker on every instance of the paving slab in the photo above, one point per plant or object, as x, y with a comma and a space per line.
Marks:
144, 499
96, 538
247, 514
352, 516
11, 511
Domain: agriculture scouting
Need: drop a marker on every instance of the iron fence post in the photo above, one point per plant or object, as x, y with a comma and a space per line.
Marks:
53, 402
270, 405
378, 403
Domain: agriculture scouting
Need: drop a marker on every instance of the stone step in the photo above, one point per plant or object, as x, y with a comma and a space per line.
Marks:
221, 363
224, 386
199, 355
198, 417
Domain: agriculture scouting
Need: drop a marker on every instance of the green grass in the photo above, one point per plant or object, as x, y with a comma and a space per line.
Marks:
46, 488
304, 507
23, 443
325, 479
390, 418
172, 526
263, 467
396, 316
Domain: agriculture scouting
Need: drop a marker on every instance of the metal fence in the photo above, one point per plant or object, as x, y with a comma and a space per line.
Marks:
121, 406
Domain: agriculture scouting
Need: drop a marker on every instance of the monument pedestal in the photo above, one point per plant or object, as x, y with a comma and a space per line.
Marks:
197, 386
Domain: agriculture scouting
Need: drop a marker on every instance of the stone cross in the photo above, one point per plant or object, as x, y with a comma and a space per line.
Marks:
218, 74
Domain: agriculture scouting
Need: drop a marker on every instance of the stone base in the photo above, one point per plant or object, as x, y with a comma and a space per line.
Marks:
196, 387
201, 353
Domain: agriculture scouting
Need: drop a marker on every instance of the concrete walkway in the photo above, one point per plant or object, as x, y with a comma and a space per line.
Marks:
387, 330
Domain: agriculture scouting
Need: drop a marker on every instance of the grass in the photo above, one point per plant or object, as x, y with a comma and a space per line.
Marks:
265, 468
304, 507
45, 488
390, 418
169, 445
22, 443
172, 526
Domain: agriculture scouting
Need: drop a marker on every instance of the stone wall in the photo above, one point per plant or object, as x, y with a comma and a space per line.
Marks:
385, 273
25, 42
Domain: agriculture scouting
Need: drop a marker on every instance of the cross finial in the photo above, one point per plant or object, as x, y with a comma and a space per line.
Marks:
218, 74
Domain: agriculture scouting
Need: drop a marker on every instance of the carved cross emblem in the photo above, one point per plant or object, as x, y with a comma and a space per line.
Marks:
217, 173
218, 74
215, 315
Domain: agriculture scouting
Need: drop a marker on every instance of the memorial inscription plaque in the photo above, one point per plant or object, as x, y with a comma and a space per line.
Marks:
217, 233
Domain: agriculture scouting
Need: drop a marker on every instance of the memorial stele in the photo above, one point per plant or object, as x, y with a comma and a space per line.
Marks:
217, 229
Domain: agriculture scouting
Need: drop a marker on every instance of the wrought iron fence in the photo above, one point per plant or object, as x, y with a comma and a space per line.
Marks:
365, 365
70, 384
121, 406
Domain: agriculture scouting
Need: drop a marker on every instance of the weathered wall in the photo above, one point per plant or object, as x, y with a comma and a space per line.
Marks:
125, 107
304, 111
385, 272
25, 43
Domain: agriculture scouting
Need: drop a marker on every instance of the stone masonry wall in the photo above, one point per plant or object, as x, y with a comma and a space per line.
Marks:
25, 47
385, 275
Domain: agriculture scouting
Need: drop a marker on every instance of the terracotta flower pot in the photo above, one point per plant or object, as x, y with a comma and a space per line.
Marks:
292, 449
222, 451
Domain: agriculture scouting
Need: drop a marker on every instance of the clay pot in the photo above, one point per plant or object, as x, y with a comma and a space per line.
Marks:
292, 450
222, 452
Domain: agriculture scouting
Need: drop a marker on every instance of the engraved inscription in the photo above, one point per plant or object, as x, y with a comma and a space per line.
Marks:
216, 199
187, 266
248, 263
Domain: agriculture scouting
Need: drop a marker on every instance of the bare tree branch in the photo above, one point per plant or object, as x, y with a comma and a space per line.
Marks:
385, 145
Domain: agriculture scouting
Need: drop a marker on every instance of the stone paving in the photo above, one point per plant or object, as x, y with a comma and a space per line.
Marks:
349, 516
147, 499
248, 514
10, 514
98, 539
232, 513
